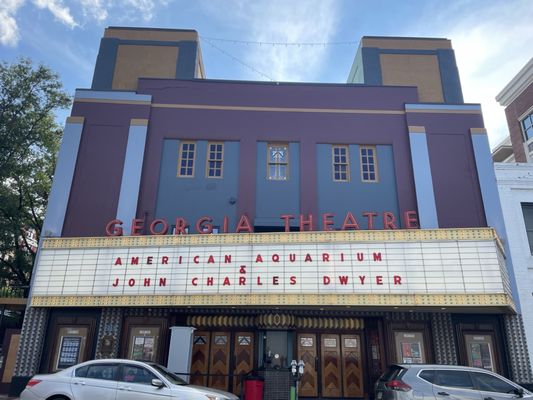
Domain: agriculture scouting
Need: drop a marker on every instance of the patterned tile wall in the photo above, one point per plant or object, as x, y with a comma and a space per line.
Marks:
110, 329
31, 341
517, 348
443, 339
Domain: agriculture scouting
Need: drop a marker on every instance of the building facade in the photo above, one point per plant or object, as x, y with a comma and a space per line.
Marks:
224, 227
514, 173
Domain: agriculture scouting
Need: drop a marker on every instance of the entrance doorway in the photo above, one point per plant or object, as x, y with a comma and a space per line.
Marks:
220, 358
333, 365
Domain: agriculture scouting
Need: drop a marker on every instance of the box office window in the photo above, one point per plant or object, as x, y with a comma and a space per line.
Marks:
527, 211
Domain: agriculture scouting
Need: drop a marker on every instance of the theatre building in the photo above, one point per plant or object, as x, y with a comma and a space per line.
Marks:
223, 227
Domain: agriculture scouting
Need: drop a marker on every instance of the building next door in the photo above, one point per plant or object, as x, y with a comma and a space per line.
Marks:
221, 358
333, 365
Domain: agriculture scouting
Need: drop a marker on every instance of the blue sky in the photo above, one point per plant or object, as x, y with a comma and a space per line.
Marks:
492, 39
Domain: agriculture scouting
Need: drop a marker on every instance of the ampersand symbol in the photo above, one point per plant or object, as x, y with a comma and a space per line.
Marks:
242, 270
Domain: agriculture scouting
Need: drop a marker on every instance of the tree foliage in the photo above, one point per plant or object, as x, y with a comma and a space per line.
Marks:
29, 141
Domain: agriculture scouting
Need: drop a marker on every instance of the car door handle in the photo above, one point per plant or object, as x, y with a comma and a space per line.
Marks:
124, 388
443, 393
79, 382
488, 398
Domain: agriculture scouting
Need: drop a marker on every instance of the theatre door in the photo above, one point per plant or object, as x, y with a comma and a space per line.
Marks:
220, 358
333, 365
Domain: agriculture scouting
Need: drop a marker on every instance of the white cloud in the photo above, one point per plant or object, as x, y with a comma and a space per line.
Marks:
146, 8
492, 42
9, 34
310, 21
96, 9
58, 10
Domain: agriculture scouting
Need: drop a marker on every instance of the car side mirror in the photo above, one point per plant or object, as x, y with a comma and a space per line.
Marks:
519, 392
157, 383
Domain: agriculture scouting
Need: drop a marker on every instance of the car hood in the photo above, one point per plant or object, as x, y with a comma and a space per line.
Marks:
204, 390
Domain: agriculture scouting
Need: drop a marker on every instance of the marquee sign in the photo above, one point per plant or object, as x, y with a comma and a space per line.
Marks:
319, 267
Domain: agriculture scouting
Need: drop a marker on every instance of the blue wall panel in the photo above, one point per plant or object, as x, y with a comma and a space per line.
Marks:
449, 74
356, 196
274, 198
192, 198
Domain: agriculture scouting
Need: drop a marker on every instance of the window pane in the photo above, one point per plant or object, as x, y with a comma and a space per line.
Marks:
527, 211
283, 172
427, 375
491, 383
81, 372
272, 171
102, 371
136, 374
451, 378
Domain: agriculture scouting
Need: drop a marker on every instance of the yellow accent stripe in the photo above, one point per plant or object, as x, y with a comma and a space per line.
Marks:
443, 111
75, 120
417, 129
344, 300
139, 122
277, 109
478, 131
110, 101
400, 235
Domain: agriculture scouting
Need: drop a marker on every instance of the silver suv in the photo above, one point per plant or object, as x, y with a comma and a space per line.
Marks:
445, 382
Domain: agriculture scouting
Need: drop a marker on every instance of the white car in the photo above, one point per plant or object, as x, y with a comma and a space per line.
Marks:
117, 380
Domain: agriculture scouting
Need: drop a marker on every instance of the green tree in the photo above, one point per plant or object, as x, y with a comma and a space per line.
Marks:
29, 142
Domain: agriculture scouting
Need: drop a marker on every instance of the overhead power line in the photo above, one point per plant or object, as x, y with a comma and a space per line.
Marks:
208, 41
286, 44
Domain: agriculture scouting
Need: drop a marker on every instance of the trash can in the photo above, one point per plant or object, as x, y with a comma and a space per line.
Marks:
253, 387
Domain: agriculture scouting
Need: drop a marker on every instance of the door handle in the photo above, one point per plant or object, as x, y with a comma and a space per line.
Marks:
79, 382
488, 398
444, 394
124, 388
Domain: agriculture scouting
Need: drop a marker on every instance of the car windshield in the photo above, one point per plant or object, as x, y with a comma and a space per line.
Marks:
172, 377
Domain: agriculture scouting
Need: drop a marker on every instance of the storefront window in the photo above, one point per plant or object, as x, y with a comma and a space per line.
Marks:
70, 346
143, 343
480, 352
276, 349
409, 347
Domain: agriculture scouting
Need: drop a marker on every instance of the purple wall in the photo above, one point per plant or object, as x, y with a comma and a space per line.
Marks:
252, 126
96, 184
94, 196
453, 167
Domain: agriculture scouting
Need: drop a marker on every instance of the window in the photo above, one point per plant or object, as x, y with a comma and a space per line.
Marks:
489, 383
369, 164
454, 378
427, 375
136, 374
215, 158
106, 372
527, 126
186, 159
527, 210
278, 162
81, 372
341, 166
